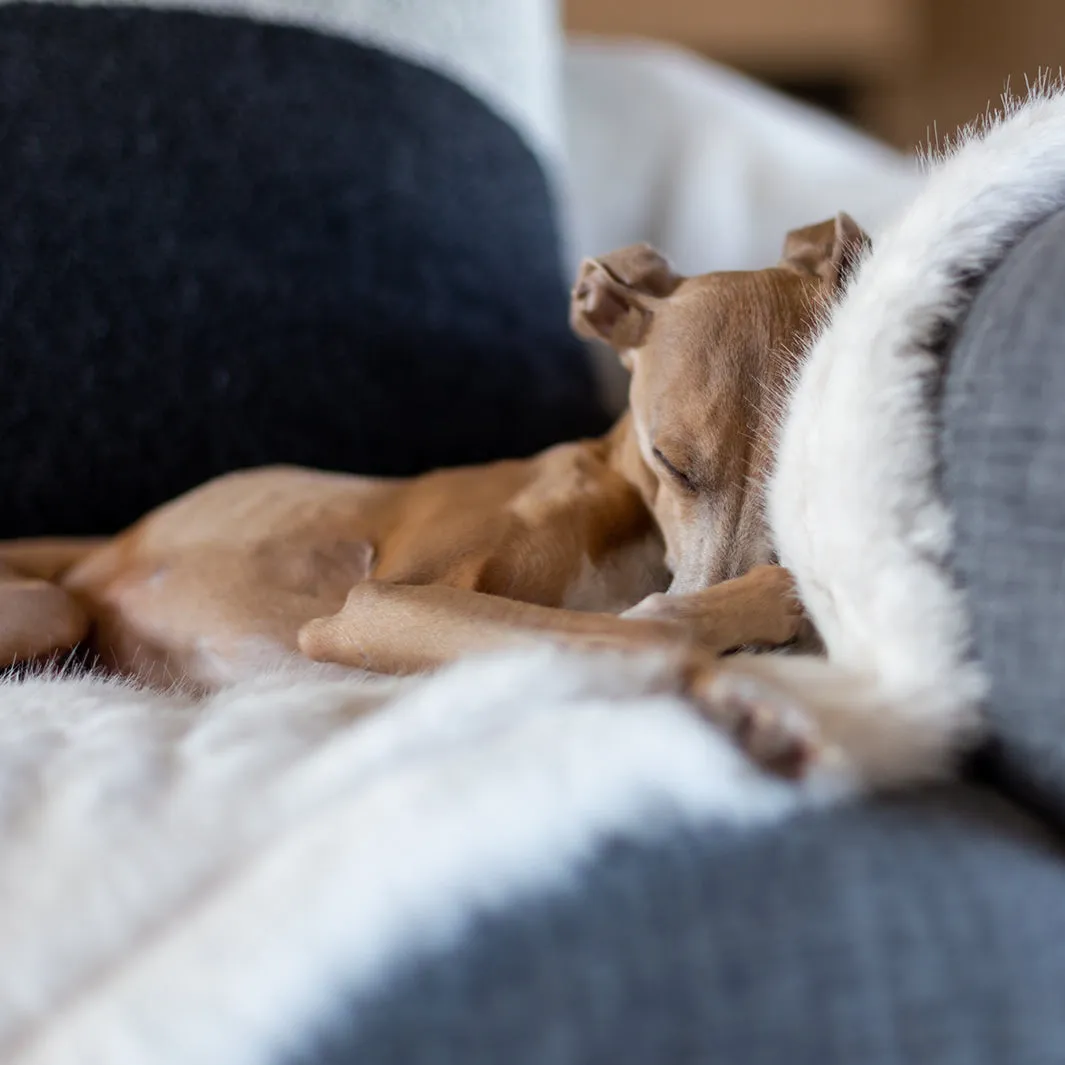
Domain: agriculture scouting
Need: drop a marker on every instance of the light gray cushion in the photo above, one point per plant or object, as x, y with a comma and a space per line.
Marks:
1004, 471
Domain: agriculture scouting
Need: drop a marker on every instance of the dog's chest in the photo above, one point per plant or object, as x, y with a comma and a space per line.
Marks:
619, 579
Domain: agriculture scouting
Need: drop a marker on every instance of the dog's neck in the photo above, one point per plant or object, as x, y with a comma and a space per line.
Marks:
623, 455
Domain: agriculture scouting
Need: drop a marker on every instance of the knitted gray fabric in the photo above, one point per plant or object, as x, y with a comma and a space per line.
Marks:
226, 243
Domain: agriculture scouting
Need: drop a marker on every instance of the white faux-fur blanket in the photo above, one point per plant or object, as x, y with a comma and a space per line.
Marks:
186, 882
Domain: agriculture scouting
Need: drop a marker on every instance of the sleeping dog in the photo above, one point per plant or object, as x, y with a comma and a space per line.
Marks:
398, 576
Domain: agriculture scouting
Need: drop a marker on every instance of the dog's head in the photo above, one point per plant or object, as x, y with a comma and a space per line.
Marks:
710, 359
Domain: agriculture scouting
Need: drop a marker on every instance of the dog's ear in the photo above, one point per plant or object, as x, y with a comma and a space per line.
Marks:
829, 250
613, 297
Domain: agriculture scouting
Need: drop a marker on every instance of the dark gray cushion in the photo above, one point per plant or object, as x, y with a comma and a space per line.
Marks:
226, 243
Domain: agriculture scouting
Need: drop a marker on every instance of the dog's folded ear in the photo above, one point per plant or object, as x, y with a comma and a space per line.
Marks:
828, 250
613, 298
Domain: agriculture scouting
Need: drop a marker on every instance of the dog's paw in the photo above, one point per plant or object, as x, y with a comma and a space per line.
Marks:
759, 608
774, 731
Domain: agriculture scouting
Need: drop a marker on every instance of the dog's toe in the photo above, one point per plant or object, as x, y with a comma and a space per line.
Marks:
769, 726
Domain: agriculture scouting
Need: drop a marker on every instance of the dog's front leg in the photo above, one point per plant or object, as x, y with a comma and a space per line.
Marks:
761, 607
401, 628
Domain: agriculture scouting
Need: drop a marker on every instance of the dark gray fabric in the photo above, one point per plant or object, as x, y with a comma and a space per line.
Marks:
924, 930
1004, 474
225, 243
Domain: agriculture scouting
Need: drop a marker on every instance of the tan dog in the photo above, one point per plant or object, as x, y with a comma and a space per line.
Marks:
402, 575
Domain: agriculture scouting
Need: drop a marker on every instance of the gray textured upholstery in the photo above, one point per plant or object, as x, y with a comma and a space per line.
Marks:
925, 930
239, 243
1004, 471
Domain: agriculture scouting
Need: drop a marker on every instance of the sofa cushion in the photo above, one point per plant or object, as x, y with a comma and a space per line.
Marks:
227, 242
1003, 457
916, 930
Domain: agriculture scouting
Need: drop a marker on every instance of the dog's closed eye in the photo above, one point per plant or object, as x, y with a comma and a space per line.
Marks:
681, 478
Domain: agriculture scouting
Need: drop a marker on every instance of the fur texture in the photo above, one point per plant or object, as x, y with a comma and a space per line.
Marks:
854, 503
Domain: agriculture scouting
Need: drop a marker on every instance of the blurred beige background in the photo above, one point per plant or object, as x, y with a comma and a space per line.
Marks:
900, 68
